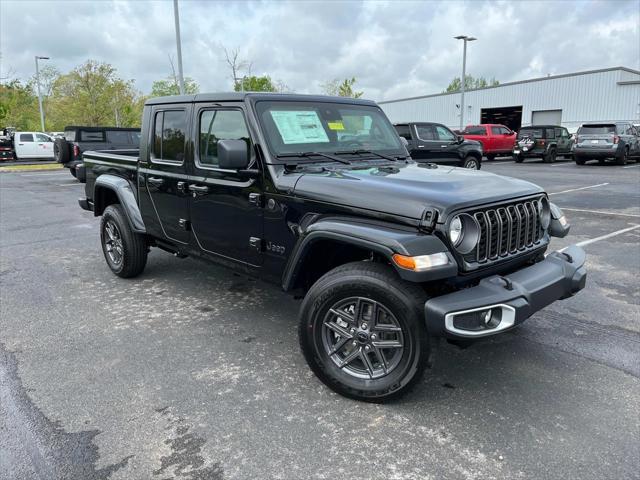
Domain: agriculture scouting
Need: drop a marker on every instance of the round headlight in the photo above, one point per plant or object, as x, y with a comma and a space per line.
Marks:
464, 233
455, 230
544, 213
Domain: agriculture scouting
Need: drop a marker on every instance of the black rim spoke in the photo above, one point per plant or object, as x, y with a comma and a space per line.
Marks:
381, 359
367, 362
387, 344
343, 332
350, 358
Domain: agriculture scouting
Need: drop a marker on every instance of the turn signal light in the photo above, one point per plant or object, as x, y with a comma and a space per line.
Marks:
421, 262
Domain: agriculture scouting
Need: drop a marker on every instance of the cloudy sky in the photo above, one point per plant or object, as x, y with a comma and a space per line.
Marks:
395, 49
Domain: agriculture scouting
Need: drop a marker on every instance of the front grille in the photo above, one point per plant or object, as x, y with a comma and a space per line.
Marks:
506, 230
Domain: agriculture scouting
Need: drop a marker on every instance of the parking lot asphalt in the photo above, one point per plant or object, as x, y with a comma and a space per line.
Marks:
193, 372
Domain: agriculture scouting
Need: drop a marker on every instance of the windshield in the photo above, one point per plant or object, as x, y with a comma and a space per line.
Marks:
297, 127
530, 132
596, 129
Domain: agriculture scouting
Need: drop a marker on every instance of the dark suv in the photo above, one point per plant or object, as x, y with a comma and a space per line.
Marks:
619, 141
433, 142
542, 141
318, 195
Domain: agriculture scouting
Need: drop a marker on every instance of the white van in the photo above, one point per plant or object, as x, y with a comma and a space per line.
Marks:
33, 145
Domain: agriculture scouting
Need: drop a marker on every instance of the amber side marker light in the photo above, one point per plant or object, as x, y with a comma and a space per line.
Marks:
421, 262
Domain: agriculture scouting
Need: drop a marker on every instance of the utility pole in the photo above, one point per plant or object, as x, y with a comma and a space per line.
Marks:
464, 75
176, 17
39, 93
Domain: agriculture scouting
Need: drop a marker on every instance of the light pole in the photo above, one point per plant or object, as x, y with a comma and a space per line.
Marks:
464, 74
40, 94
176, 17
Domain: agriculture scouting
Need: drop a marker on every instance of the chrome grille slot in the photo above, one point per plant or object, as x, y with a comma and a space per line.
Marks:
506, 230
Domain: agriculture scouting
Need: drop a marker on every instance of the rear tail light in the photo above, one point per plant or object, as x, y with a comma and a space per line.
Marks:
541, 142
616, 139
76, 151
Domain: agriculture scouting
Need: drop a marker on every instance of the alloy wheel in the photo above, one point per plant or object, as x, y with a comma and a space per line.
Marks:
113, 242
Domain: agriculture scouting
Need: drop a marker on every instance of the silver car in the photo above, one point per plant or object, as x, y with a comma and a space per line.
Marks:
619, 141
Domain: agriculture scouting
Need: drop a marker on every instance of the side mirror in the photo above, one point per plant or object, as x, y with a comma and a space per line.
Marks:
233, 154
459, 138
404, 141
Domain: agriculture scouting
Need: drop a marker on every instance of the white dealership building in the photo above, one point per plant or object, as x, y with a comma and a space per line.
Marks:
609, 94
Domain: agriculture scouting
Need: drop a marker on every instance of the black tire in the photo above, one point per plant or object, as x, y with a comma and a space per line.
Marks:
368, 283
60, 150
550, 156
579, 160
132, 246
518, 158
73, 172
471, 162
624, 158
490, 157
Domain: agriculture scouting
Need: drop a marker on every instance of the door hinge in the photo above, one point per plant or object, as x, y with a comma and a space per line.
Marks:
255, 199
184, 224
255, 243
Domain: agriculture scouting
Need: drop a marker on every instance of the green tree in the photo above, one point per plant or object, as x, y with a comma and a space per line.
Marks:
171, 86
337, 88
18, 106
470, 83
255, 83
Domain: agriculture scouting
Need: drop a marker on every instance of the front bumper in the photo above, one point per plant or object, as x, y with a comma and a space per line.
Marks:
513, 297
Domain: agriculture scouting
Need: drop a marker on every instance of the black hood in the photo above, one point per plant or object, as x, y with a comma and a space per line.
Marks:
406, 189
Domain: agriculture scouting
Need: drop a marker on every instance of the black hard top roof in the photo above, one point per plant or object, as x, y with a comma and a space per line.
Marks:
101, 129
241, 96
541, 126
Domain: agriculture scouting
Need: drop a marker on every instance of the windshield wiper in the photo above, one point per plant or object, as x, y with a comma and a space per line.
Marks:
314, 154
370, 152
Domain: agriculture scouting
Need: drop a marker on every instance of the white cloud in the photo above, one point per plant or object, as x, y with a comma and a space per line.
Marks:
395, 49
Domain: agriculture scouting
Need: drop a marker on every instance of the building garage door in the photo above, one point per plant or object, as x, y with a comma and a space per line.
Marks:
546, 117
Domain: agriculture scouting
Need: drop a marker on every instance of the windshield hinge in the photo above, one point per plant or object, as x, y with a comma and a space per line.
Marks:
429, 219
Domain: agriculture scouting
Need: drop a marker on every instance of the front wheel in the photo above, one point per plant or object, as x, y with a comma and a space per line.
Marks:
550, 156
472, 163
124, 250
362, 332
624, 158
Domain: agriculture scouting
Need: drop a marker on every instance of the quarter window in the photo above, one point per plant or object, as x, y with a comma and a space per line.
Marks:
169, 134
216, 125
26, 137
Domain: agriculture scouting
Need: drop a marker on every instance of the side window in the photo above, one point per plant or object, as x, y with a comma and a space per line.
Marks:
91, 136
218, 125
425, 132
551, 133
403, 131
496, 130
42, 138
565, 132
26, 137
558, 133
169, 134
505, 131
444, 134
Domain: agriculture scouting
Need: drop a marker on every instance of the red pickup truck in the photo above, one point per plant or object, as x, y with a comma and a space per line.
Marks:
495, 139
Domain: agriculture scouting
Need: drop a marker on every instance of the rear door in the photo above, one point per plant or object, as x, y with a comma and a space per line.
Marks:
25, 145
164, 197
226, 210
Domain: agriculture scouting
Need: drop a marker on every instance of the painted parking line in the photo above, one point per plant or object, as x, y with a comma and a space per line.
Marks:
68, 184
608, 235
599, 212
632, 166
565, 164
43, 174
486, 163
581, 188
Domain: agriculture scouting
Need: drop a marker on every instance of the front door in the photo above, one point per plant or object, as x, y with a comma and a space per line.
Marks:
564, 140
442, 146
226, 210
163, 187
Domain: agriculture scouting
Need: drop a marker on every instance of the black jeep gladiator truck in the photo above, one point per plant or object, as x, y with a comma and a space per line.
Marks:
319, 195
434, 142
68, 149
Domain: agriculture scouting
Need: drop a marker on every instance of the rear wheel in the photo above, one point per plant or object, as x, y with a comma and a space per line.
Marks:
550, 156
124, 250
579, 160
624, 158
518, 158
472, 163
362, 331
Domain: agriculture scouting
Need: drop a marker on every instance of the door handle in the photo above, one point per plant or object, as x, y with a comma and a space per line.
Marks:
444, 146
420, 146
182, 186
155, 181
199, 188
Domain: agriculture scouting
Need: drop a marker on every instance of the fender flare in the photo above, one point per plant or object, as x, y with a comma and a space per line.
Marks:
380, 237
125, 192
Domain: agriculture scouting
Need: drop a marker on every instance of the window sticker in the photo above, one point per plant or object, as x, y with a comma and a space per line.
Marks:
335, 125
299, 126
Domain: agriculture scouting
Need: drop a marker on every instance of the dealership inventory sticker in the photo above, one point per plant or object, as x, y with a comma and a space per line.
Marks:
299, 126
